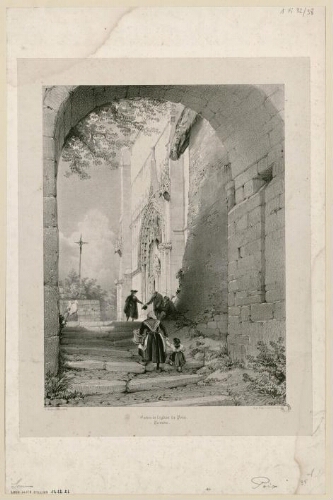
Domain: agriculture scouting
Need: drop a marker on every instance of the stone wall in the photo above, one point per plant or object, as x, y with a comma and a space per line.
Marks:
87, 310
204, 292
256, 255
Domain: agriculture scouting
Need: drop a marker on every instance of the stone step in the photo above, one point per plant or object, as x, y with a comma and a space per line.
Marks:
97, 342
124, 366
128, 343
99, 386
83, 323
114, 335
95, 351
147, 384
111, 366
220, 400
190, 365
126, 324
95, 357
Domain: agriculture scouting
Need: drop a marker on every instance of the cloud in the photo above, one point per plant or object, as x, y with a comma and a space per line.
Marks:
98, 258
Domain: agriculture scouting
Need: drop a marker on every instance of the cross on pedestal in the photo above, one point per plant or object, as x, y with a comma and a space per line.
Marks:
80, 243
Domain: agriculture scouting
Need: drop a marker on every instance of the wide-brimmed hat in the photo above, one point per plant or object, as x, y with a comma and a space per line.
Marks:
134, 291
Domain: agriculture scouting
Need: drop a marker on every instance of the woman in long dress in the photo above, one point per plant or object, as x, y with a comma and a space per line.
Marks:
131, 306
154, 345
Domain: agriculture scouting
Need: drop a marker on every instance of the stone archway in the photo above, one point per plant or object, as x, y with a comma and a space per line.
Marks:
249, 121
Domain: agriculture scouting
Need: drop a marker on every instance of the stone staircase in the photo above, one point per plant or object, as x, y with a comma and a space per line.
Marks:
103, 360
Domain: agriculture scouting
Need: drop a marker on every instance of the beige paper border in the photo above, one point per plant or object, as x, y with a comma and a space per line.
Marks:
35, 419
329, 219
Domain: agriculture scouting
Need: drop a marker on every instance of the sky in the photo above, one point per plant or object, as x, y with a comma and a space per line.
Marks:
90, 207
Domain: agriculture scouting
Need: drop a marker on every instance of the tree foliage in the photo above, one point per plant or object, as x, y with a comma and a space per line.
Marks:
89, 288
97, 139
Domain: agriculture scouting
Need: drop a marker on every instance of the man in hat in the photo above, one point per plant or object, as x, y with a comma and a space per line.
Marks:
131, 306
158, 305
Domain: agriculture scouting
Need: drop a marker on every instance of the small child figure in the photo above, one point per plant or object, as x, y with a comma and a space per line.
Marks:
177, 357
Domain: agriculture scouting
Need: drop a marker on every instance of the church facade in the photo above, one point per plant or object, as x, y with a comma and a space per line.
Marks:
152, 245
213, 244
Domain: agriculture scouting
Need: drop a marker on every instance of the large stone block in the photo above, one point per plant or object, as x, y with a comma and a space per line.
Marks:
252, 187
278, 168
256, 216
51, 354
97, 386
162, 382
262, 165
250, 155
50, 178
51, 256
242, 224
233, 286
272, 205
49, 148
275, 295
274, 189
56, 96
50, 211
239, 195
231, 299
250, 282
246, 207
275, 221
51, 311
276, 136
49, 121
234, 311
246, 176
261, 312
280, 310
251, 248
250, 299
275, 153
245, 313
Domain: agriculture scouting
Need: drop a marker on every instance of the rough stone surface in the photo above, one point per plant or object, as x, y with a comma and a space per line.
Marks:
86, 365
150, 383
125, 366
201, 401
100, 386
51, 320
51, 351
205, 258
51, 249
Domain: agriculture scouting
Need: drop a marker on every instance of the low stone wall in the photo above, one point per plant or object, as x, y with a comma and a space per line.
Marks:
87, 310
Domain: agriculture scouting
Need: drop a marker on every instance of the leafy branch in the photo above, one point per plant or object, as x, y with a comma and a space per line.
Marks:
98, 138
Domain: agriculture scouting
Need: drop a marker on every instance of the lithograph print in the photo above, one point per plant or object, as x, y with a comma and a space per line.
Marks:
164, 245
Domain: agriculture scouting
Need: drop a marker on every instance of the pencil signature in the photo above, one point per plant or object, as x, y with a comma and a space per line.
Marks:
263, 481
19, 485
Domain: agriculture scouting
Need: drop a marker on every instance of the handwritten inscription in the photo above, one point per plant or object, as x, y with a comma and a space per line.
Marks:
263, 482
308, 477
163, 419
303, 11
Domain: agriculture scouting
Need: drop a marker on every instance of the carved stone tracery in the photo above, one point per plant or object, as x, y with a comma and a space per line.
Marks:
152, 229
